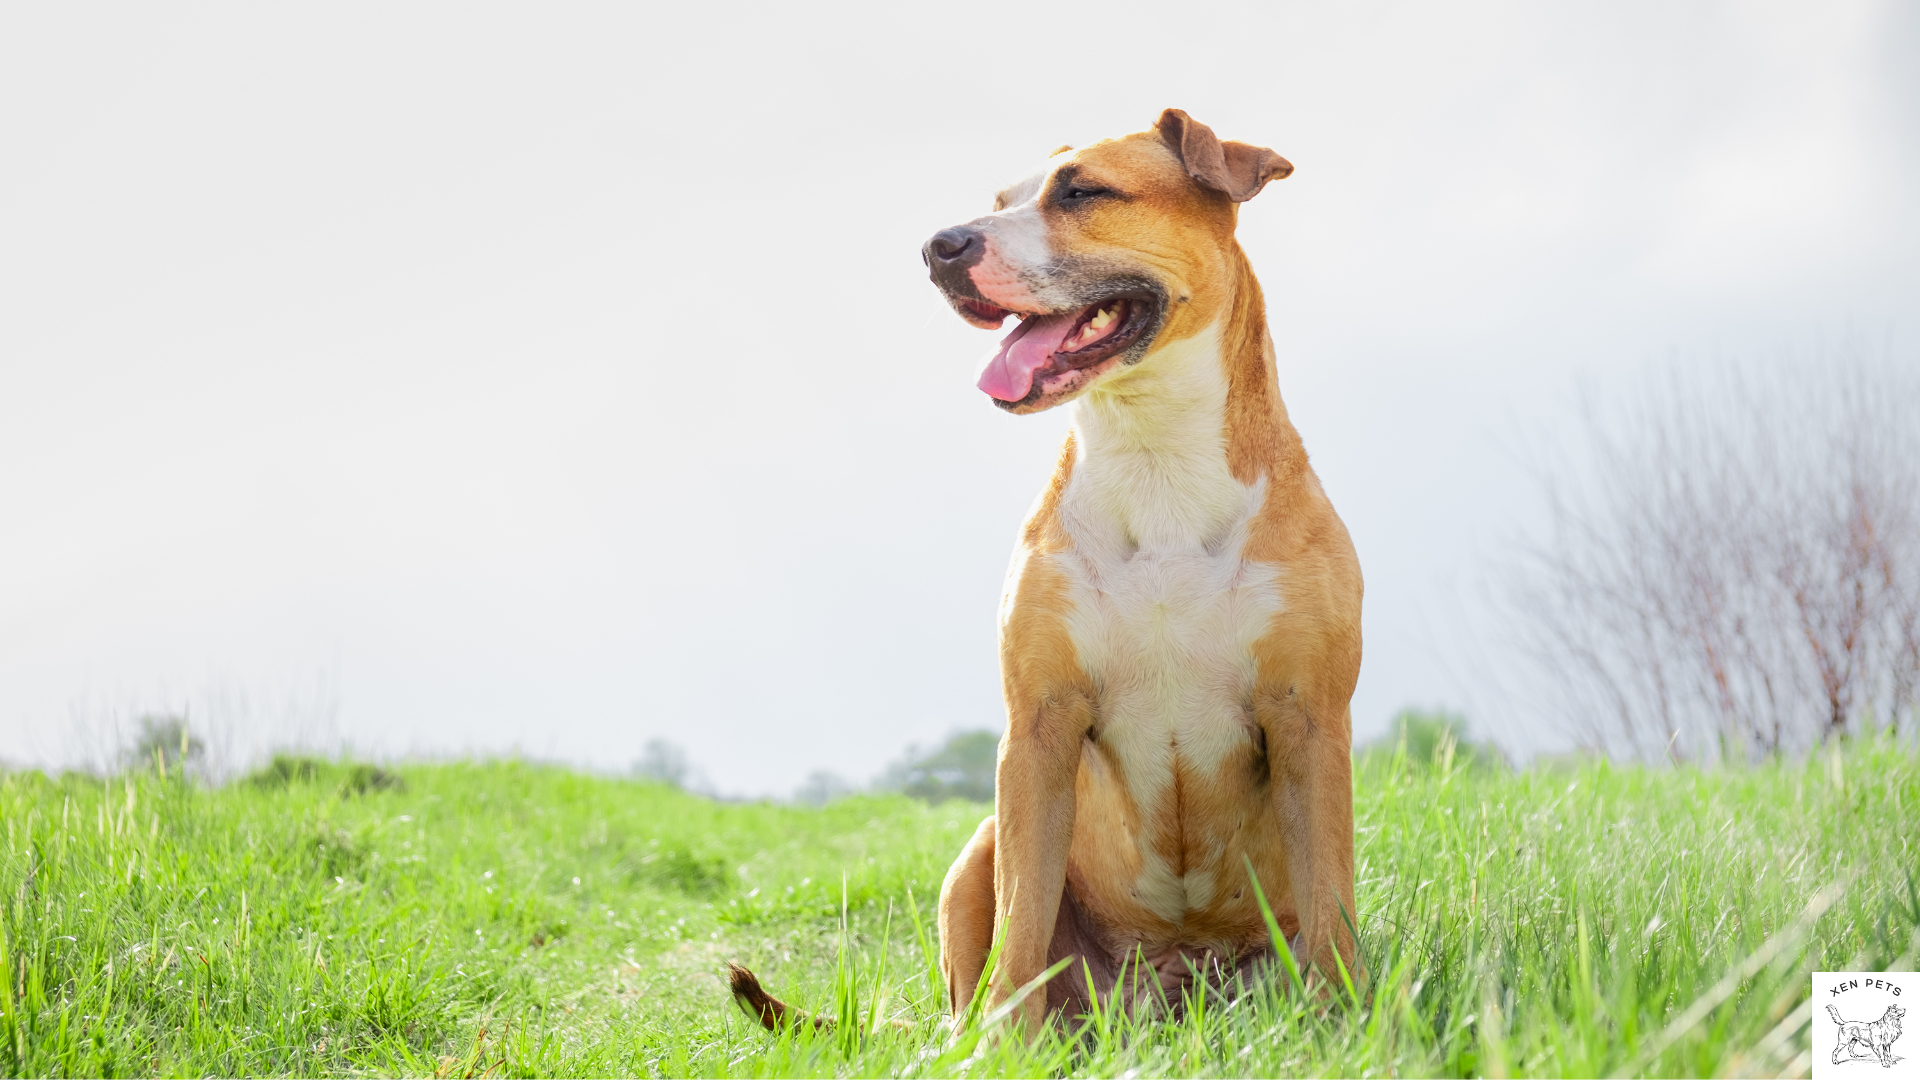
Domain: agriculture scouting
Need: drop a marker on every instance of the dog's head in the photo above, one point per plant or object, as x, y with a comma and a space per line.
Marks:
1104, 254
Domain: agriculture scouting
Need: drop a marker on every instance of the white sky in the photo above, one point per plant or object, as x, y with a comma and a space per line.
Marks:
562, 378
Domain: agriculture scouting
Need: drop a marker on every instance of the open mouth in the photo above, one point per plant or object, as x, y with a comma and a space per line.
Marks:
1048, 356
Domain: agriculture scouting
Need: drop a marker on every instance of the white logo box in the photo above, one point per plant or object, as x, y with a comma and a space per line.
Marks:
1866, 1020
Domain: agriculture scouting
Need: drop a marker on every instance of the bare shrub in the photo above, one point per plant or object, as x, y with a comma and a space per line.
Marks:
1734, 570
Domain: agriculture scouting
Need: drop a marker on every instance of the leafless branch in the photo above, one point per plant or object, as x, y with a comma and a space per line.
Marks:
1735, 570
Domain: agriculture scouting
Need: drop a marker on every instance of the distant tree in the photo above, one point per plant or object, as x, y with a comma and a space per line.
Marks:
1736, 571
962, 768
664, 762
164, 743
823, 787
286, 770
347, 777
1439, 740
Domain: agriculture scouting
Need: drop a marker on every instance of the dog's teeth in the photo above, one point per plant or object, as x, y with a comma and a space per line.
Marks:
1101, 319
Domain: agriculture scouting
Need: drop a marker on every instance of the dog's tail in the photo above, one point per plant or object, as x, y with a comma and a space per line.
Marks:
773, 1014
1831, 1011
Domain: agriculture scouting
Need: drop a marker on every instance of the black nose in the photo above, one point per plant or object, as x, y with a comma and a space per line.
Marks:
951, 246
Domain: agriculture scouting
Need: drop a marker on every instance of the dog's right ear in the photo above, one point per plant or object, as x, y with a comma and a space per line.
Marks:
1235, 169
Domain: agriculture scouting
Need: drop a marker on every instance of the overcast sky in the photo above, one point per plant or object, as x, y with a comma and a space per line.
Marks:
464, 378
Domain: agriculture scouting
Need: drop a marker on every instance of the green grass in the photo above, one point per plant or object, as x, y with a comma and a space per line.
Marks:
516, 919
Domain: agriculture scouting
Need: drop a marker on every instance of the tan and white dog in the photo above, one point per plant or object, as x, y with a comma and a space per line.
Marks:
1180, 632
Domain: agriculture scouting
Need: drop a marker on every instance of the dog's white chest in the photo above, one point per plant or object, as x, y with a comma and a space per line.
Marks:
1167, 638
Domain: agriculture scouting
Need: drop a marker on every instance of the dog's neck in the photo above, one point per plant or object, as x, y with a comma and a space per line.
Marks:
1176, 453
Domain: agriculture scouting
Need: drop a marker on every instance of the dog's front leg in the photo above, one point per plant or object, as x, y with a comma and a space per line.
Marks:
1033, 827
1310, 757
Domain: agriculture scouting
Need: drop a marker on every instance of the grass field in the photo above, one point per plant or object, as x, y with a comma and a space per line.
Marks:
516, 919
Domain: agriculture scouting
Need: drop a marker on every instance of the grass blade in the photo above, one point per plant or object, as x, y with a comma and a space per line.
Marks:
1273, 932
880, 976
1006, 1008
936, 979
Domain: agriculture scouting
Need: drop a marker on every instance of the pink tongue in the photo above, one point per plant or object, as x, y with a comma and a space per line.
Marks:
1009, 374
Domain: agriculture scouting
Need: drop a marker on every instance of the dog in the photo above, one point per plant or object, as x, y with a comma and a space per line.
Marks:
1878, 1037
1180, 628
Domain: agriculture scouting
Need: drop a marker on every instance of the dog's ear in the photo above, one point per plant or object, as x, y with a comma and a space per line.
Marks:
1234, 169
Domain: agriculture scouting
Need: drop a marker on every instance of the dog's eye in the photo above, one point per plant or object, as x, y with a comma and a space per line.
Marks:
1078, 193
